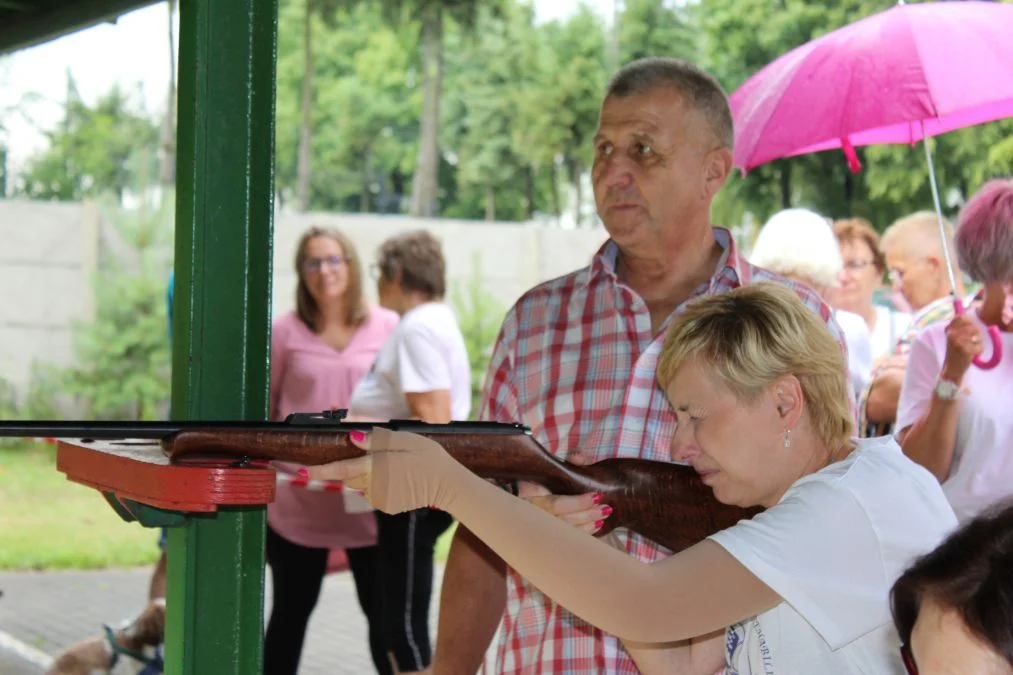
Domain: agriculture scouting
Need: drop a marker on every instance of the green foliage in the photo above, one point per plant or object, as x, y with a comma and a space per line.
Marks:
518, 106
480, 316
124, 353
48, 522
109, 148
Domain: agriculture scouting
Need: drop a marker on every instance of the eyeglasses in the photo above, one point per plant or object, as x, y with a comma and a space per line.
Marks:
855, 265
317, 264
909, 661
895, 275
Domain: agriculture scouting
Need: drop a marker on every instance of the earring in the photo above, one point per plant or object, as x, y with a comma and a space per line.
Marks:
787, 438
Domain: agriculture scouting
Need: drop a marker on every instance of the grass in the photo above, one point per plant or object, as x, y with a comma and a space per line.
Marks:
48, 522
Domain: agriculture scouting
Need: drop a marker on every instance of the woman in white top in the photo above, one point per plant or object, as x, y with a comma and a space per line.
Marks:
422, 372
864, 267
954, 418
757, 384
799, 244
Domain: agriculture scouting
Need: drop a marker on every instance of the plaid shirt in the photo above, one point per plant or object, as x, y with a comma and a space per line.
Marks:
575, 361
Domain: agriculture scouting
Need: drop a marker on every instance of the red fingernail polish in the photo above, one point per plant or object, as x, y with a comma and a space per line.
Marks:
598, 524
596, 499
357, 436
606, 511
302, 473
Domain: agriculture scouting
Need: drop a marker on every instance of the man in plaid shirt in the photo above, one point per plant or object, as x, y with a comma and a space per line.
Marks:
576, 356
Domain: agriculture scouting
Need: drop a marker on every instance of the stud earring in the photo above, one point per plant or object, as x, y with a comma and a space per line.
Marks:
787, 438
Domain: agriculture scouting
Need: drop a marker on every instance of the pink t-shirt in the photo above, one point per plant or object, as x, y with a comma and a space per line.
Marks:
308, 375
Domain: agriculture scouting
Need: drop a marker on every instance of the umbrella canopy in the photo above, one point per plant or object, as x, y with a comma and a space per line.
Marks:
894, 77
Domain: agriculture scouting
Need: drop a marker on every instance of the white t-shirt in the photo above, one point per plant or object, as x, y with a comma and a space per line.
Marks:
426, 352
856, 335
982, 469
832, 548
890, 325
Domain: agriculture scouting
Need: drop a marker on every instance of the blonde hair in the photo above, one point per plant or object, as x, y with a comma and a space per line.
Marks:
754, 335
918, 233
356, 307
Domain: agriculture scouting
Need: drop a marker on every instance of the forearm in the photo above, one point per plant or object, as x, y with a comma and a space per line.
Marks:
606, 587
704, 655
884, 395
931, 440
471, 605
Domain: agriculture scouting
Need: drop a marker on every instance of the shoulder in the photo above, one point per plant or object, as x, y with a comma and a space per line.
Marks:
285, 325
382, 318
852, 324
807, 295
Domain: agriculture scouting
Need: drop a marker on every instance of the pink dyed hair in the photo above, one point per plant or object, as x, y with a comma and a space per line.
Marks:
984, 238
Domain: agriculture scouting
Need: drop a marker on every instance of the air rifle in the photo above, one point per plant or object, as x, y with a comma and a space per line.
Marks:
664, 502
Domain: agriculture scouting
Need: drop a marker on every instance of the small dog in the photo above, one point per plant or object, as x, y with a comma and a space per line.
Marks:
96, 654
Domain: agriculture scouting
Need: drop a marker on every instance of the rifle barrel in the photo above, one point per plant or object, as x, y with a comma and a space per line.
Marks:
327, 421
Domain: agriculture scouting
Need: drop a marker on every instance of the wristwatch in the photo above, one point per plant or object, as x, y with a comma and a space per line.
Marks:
947, 390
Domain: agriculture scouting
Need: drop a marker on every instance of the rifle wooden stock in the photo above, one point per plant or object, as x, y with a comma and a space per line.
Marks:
664, 502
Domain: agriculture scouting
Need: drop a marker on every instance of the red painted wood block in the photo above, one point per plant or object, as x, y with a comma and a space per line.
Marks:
139, 470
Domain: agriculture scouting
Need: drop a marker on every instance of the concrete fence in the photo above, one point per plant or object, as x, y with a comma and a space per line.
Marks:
49, 253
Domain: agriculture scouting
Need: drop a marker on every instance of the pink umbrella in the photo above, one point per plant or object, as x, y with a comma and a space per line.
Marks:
899, 76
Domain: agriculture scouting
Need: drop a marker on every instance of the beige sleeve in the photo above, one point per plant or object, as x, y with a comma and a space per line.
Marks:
695, 592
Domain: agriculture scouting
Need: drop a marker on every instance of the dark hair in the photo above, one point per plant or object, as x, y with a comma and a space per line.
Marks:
860, 229
418, 257
702, 91
971, 573
355, 302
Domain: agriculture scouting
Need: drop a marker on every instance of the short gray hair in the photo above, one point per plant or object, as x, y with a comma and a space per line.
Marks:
701, 89
985, 234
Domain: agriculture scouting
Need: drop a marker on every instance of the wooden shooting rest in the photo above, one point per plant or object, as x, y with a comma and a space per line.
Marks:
139, 471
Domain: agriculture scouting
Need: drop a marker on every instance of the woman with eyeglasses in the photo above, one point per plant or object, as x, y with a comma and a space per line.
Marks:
422, 372
953, 607
864, 267
319, 353
759, 390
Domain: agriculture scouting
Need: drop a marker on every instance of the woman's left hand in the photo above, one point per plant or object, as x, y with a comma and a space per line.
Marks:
399, 472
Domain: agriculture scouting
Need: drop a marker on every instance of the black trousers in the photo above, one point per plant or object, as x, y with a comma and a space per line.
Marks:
407, 542
297, 573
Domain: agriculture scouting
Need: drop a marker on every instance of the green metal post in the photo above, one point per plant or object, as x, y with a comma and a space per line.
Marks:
221, 322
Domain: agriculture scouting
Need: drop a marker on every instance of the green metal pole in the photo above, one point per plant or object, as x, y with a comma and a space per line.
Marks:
221, 323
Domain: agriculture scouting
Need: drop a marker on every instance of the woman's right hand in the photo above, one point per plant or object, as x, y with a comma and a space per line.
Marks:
963, 344
585, 511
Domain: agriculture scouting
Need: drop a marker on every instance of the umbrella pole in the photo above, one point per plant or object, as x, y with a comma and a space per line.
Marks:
939, 212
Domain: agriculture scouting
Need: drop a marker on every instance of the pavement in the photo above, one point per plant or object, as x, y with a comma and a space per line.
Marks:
43, 612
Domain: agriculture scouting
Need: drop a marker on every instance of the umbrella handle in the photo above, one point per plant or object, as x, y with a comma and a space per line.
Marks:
993, 336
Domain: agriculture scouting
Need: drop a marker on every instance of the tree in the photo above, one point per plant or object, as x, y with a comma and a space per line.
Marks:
124, 353
431, 17
167, 150
110, 147
655, 28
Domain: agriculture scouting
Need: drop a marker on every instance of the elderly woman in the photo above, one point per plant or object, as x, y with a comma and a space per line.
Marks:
863, 270
954, 607
954, 418
799, 244
421, 372
758, 387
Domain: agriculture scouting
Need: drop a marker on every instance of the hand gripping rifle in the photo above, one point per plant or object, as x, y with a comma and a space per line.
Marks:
664, 502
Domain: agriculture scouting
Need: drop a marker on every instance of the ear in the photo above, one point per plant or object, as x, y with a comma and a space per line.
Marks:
789, 400
717, 168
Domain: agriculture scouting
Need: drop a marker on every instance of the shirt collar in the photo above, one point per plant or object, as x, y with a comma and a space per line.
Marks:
606, 260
